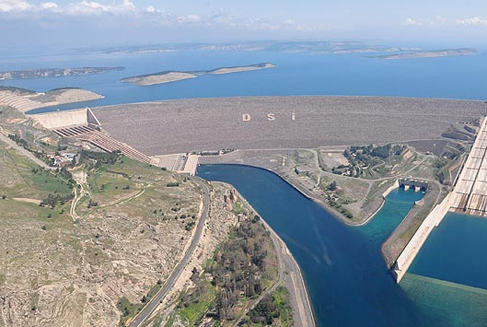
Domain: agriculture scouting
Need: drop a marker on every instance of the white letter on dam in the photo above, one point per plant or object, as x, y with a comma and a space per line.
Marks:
246, 117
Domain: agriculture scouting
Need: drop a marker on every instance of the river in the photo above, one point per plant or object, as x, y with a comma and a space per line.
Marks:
347, 279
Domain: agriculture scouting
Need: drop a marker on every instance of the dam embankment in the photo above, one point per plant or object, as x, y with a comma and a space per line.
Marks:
180, 126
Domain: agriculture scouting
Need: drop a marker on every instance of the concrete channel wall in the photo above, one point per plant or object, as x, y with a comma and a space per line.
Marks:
407, 256
462, 190
391, 188
384, 196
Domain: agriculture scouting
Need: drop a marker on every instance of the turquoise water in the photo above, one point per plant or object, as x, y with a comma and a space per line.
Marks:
455, 251
348, 282
445, 303
296, 74
347, 279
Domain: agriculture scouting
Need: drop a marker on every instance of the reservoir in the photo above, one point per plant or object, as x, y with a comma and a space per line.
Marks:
295, 74
347, 279
456, 251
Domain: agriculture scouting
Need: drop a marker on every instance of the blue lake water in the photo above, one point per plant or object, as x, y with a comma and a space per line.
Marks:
296, 74
456, 251
348, 282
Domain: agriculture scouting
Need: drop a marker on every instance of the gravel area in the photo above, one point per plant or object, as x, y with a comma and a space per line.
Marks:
177, 126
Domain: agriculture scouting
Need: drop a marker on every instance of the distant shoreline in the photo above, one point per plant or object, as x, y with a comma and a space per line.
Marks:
173, 76
55, 72
429, 54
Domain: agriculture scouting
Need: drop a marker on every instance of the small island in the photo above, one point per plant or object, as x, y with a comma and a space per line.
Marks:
173, 76
55, 72
429, 54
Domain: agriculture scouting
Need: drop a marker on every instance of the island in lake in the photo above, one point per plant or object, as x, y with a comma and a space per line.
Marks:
55, 72
173, 76
430, 54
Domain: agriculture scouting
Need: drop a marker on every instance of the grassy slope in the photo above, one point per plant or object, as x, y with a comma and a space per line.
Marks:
54, 251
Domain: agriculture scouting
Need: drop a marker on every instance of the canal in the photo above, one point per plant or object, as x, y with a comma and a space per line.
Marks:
347, 279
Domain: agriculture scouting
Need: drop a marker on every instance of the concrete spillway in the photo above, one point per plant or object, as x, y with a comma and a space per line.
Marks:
411, 183
60, 119
469, 195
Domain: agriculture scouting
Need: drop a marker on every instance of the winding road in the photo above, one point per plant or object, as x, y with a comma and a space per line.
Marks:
156, 300
24, 152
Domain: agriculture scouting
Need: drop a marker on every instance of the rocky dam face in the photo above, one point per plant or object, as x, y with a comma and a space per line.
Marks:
178, 126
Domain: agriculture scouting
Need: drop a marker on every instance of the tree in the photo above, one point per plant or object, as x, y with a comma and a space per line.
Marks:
332, 186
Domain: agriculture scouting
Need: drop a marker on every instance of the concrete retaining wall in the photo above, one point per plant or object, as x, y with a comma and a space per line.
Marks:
66, 118
407, 256
384, 196
390, 189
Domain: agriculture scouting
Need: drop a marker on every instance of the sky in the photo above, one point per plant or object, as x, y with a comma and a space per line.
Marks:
124, 22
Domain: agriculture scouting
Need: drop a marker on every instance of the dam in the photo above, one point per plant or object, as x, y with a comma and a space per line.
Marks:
469, 196
83, 125
146, 130
152, 128
192, 125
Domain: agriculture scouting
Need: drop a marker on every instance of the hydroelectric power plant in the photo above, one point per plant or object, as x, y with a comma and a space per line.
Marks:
146, 131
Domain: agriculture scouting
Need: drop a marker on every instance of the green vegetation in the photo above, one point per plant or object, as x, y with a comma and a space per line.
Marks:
129, 309
335, 198
26, 179
238, 208
193, 305
443, 166
93, 159
370, 160
332, 186
241, 269
17, 139
273, 310
39, 153
53, 200
43, 241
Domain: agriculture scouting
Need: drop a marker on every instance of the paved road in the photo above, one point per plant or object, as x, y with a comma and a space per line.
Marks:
156, 300
24, 152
